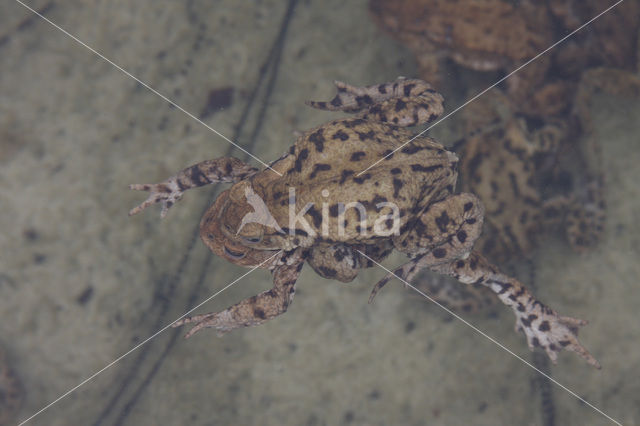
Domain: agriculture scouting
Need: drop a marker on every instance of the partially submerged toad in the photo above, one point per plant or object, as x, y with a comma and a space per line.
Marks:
342, 198
511, 167
502, 35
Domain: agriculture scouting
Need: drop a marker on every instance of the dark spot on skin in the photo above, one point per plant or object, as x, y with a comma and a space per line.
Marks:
301, 157
521, 307
317, 138
544, 326
439, 253
535, 342
395, 120
259, 313
338, 255
301, 232
277, 194
336, 102
334, 210
315, 216
228, 168
397, 186
460, 264
553, 347
319, 167
352, 123
389, 223
364, 100
473, 264
462, 236
379, 199
396, 171
407, 89
361, 179
442, 221
503, 287
292, 150
296, 241
327, 272
411, 149
564, 343
357, 156
345, 175
471, 221
400, 105
365, 136
468, 207
340, 135
197, 177
388, 154
427, 169
382, 89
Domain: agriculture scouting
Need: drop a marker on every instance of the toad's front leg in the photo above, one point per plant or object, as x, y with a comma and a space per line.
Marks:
543, 326
226, 169
403, 102
256, 309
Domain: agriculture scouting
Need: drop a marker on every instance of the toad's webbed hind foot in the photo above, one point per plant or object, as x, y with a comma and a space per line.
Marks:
542, 326
404, 102
167, 193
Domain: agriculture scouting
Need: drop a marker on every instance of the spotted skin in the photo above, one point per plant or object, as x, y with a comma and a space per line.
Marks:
542, 326
257, 309
410, 194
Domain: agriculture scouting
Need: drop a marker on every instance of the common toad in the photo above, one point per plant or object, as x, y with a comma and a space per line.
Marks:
500, 35
344, 195
511, 166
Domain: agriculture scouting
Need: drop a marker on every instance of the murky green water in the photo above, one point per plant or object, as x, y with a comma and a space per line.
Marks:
82, 284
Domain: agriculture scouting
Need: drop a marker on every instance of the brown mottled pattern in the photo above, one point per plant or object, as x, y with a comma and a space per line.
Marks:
437, 228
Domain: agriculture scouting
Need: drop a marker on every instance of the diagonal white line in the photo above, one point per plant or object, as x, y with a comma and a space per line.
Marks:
496, 83
476, 329
94, 375
151, 89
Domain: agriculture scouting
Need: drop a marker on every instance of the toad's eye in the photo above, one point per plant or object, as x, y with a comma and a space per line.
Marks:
233, 254
252, 240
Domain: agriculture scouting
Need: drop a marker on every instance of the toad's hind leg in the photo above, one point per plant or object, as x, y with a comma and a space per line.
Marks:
542, 326
404, 102
256, 309
449, 293
446, 231
226, 169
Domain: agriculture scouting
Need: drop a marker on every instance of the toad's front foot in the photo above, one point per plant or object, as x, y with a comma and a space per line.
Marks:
211, 320
546, 329
166, 193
